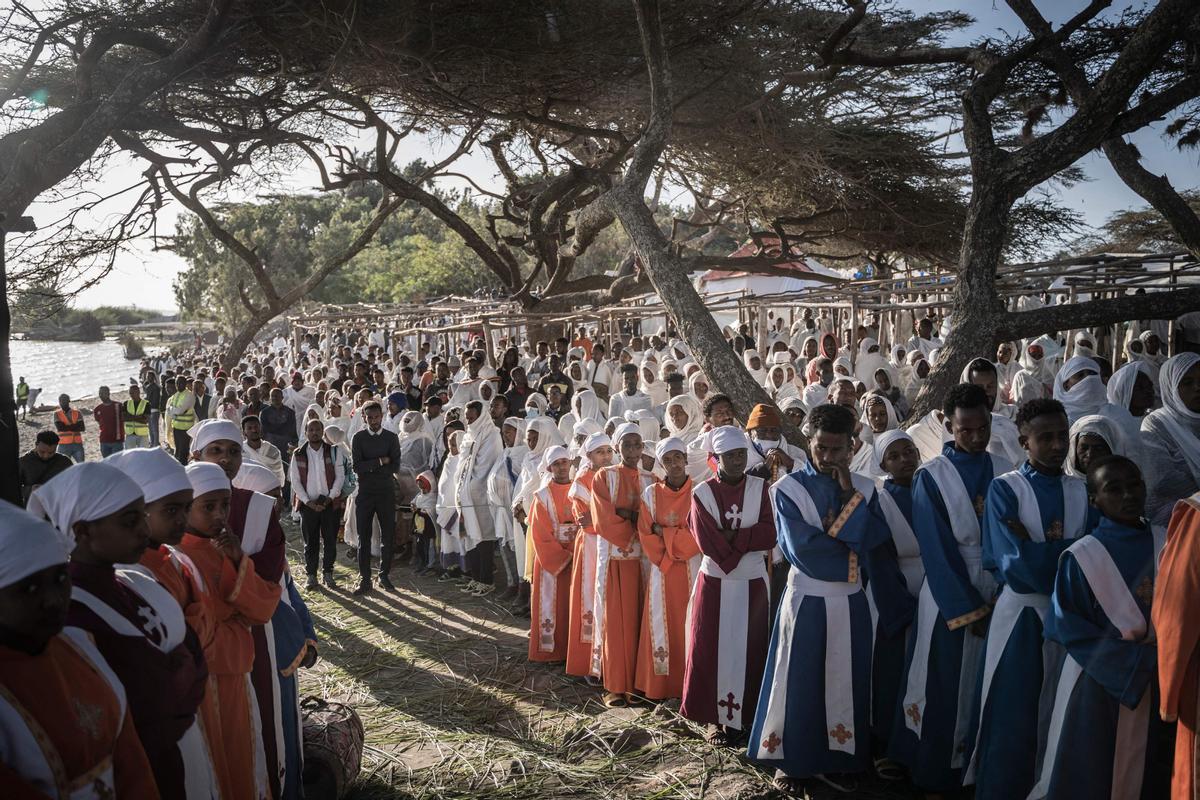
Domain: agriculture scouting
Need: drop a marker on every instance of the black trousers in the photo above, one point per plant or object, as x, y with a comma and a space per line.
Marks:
481, 562
367, 508
319, 527
183, 446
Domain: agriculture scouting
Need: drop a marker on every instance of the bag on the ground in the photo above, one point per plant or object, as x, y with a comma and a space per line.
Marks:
333, 747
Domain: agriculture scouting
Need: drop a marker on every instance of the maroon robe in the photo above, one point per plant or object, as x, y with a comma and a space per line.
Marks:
164, 689
736, 564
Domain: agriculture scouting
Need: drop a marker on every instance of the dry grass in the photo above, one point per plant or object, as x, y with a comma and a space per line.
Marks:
453, 708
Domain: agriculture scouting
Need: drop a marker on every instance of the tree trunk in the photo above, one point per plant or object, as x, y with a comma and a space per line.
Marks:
10, 438
242, 339
669, 276
977, 309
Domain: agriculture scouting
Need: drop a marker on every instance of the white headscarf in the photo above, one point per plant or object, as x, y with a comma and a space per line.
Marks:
596, 441
28, 544
153, 469
726, 438
414, 425
695, 414
586, 405
552, 454
1080, 349
623, 430
1105, 428
886, 440
929, 435
83, 493
207, 431
667, 445
256, 478
206, 477
759, 374
868, 362
1169, 376
1086, 396
1120, 385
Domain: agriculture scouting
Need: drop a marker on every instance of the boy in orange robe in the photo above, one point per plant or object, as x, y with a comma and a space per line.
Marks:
60, 704
1176, 597
239, 599
674, 559
616, 500
552, 530
599, 453
168, 494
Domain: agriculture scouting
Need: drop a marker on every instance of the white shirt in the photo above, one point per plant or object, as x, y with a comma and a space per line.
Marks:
317, 485
620, 403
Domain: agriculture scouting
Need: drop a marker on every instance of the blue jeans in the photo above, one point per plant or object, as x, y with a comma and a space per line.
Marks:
108, 448
75, 451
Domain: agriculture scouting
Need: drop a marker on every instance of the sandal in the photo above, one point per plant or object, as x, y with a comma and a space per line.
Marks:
846, 784
793, 787
889, 770
614, 700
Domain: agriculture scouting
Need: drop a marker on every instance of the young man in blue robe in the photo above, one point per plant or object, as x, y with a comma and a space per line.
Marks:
813, 715
1100, 612
898, 458
1031, 516
931, 733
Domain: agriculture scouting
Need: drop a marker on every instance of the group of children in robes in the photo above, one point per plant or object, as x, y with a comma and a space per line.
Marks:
158, 597
957, 622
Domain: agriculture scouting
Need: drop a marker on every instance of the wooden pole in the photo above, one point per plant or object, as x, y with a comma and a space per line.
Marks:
852, 345
489, 348
762, 331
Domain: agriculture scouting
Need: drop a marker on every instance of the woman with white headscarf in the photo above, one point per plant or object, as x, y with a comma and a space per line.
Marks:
750, 358
1085, 344
450, 538
1171, 437
416, 441
781, 382
502, 482
651, 385
1092, 437
918, 375
481, 448
1079, 388
878, 417
684, 420
698, 386
1130, 399
869, 360
1036, 376
842, 368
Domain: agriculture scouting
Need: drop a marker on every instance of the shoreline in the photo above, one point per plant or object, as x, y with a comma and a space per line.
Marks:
43, 419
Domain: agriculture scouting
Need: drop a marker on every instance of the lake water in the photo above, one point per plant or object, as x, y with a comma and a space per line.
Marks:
75, 368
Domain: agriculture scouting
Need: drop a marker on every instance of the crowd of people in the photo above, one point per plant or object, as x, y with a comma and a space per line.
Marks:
986, 595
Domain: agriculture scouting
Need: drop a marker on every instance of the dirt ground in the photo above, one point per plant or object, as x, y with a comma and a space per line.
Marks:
453, 707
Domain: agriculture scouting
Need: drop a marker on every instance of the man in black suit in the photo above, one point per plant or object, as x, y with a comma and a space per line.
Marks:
376, 454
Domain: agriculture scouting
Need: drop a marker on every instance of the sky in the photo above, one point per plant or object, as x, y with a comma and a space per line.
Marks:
144, 276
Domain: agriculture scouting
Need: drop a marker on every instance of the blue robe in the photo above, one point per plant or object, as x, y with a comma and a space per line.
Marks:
816, 557
1008, 728
1116, 672
935, 758
895, 604
293, 631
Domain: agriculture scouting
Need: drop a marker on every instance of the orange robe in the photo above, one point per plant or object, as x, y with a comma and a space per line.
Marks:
239, 599
618, 576
175, 572
552, 533
61, 704
674, 561
1177, 625
583, 577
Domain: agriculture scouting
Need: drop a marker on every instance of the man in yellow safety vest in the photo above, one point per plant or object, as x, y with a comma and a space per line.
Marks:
181, 412
137, 419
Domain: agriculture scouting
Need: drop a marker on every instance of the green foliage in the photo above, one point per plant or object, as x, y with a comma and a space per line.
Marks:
413, 256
